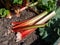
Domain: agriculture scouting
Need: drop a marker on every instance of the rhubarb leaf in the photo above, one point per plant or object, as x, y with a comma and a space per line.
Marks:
3, 12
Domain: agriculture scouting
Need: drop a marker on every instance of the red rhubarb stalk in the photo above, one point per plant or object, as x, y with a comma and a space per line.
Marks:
24, 34
25, 7
17, 23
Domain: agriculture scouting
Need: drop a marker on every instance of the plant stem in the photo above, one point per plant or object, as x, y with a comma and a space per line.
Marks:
32, 26
31, 5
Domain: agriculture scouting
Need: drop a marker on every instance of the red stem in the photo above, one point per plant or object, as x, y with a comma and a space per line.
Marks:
17, 23
26, 33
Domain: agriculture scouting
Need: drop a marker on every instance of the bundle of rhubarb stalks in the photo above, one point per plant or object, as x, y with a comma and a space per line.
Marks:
24, 28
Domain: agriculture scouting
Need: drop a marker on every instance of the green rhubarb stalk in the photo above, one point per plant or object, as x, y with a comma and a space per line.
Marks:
45, 19
33, 26
36, 18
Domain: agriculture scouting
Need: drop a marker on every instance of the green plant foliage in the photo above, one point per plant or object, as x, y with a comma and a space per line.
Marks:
47, 4
3, 12
17, 1
51, 32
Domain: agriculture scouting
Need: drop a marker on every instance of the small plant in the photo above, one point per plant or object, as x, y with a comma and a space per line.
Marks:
4, 12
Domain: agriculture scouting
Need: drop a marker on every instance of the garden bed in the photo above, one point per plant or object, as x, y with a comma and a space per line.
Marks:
9, 38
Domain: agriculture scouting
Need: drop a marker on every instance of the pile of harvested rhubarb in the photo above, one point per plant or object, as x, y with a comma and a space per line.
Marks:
20, 18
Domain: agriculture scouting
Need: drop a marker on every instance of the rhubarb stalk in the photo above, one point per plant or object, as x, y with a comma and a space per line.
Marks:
31, 5
17, 23
49, 16
22, 35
